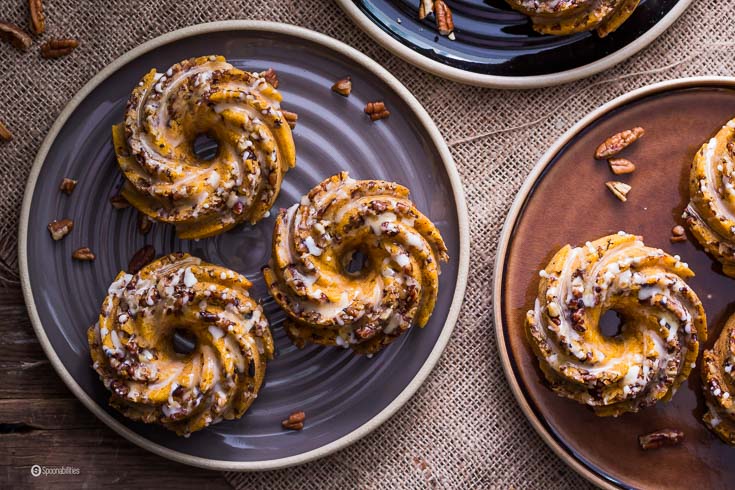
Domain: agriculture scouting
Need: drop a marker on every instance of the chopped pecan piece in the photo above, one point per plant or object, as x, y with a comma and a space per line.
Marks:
38, 19
118, 201
56, 48
343, 86
271, 77
426, 7
295, 421
67, 186
60, 228
15, 36
376, 110
84, 254
620, 166
144, 223
618, 142
660, 438
678, 234
142, 257
619, 189
444, 20
291, 118
5, 134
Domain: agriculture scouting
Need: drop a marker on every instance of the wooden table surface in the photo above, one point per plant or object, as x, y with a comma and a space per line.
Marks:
41, 422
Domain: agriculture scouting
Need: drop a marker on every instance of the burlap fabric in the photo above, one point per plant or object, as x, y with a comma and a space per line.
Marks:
463, 428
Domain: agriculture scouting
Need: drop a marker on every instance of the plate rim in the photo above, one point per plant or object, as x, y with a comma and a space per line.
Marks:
508, 82
463, 260
514, 212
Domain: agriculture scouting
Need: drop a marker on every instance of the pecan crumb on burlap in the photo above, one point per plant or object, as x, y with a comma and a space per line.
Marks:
38, 19
376, 110
295, 421
15, 36
5, 134
661, 438
618, 142
56, 48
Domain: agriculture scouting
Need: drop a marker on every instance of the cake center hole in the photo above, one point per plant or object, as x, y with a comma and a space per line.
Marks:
184, 341
205, 148
355, 262
611, 324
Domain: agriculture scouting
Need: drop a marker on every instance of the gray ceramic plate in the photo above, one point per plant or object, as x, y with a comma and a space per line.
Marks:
344, 396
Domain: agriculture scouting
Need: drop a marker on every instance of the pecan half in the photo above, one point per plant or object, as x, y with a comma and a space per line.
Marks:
618, 142
15, 36
620, 166
5, 134
142, 257
60, 228
144, 223
343, 86
271, 77
290, 117
376, 110
67, 186
38, 19
84, 254
118, 201
295, 421
660, 438
619, 189
56, 48
444, 20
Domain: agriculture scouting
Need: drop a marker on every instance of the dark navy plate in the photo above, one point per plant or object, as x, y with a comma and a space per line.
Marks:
495, 46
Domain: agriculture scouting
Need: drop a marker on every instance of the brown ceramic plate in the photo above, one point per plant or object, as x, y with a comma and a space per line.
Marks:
565, 201
344, 396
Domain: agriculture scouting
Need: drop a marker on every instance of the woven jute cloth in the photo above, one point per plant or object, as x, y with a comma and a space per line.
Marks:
463, 428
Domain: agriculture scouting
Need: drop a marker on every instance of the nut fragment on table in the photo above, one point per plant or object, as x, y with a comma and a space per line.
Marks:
67, 186
343, 86
56, 48
118, 201
15, 36
295, 421
5, 134
620, 166
84, 254
661, 438
144, 223
678, 234
141, 258
271, 77
618, 142
60, 228
38, 19
619, 189
291, 118
376, 110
